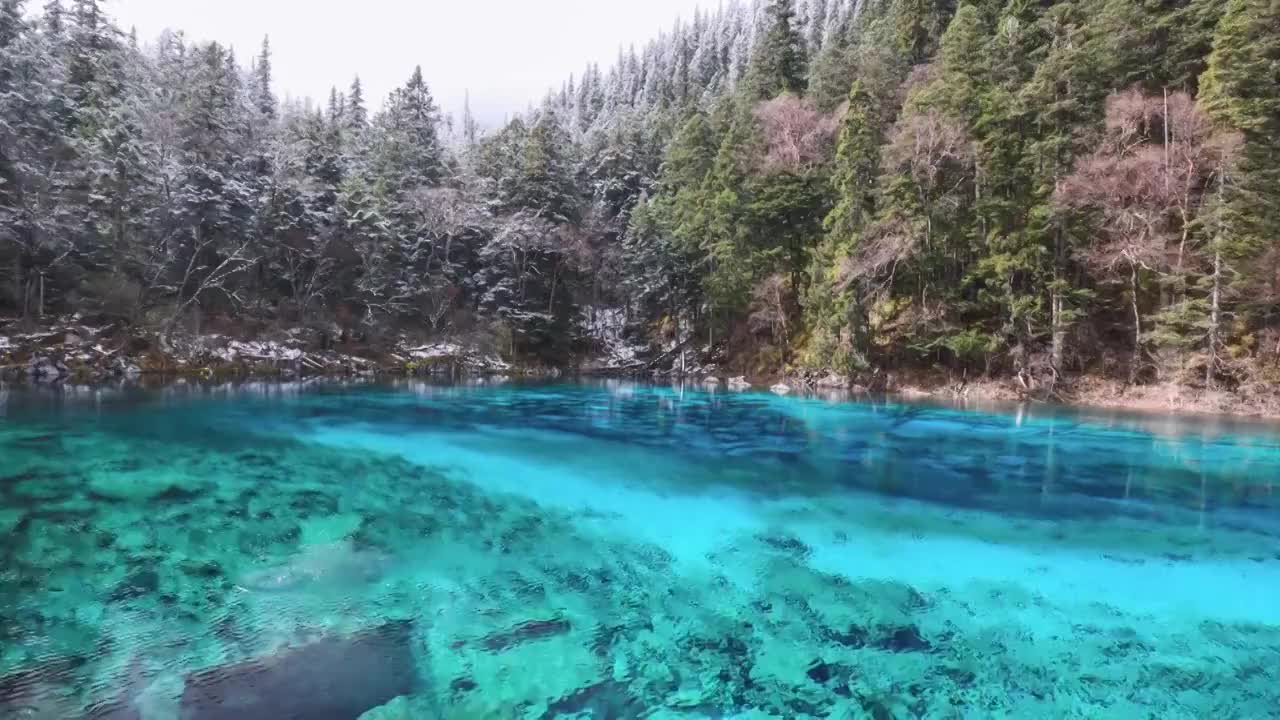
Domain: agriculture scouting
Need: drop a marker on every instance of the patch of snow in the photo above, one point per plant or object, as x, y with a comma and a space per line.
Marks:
608, 327
435, 351
470, 357
38, 336
257, 351
95, 331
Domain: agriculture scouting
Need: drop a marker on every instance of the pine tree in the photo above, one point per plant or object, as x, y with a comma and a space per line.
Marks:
263, 99
857, 167
470, 128
1241, 92
778, 64
1190, 29
919, 24
93, 64
815, 25
53, 18
337, 109
36, 217
546, 174
1241, 87
357, 116
410, 147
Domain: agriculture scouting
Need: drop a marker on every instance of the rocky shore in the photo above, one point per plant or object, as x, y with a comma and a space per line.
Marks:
80, 350
72, 349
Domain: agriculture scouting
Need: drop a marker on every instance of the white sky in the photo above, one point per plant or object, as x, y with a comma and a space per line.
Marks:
506, 52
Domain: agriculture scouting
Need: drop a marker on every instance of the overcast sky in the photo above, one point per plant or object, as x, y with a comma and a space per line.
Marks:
506, 52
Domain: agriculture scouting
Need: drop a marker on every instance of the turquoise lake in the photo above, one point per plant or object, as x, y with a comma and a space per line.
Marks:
622, 550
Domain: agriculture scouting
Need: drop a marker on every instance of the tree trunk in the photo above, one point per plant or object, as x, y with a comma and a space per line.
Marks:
19, 283
1215, 316
555, 276
1137, 326
1059, 331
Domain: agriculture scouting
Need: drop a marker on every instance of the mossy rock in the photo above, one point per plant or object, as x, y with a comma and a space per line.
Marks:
404, 707
135, 486
9, 519
329, 528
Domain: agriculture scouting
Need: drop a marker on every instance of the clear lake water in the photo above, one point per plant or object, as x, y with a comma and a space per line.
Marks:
621, 550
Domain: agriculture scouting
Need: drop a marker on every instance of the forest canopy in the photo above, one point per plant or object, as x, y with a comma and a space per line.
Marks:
1027, 188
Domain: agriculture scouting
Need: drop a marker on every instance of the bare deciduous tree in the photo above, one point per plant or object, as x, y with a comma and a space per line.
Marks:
934, 156
203, 275
1150, 179
772, 304
797, 136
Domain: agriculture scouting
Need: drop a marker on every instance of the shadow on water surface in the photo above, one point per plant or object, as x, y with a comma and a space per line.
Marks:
620, 550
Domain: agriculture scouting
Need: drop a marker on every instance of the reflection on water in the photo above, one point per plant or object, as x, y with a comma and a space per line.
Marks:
624, 550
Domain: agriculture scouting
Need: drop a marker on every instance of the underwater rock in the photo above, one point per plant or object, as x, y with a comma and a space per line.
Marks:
125, 705
330, 565
335, 678
787, 544
821, 672
314, 502
10, 519
608, 699
138, 584
398, 709
739, 383
896, 638
463, 684
146, 485
905, 638
524, 632
34, 692
206, 570
781, 389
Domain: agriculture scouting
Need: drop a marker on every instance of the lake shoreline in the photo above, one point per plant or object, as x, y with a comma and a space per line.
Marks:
73, 352
1099, 392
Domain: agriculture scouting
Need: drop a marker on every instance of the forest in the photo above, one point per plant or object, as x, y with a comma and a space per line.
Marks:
1026, 189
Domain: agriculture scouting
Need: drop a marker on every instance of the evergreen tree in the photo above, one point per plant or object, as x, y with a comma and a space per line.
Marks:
918, 25
53, 18
263, 99
857, 167
36, 213
470, 128
357, 116
410, 149
839, 183
778, 64
1241, 92
546, 171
